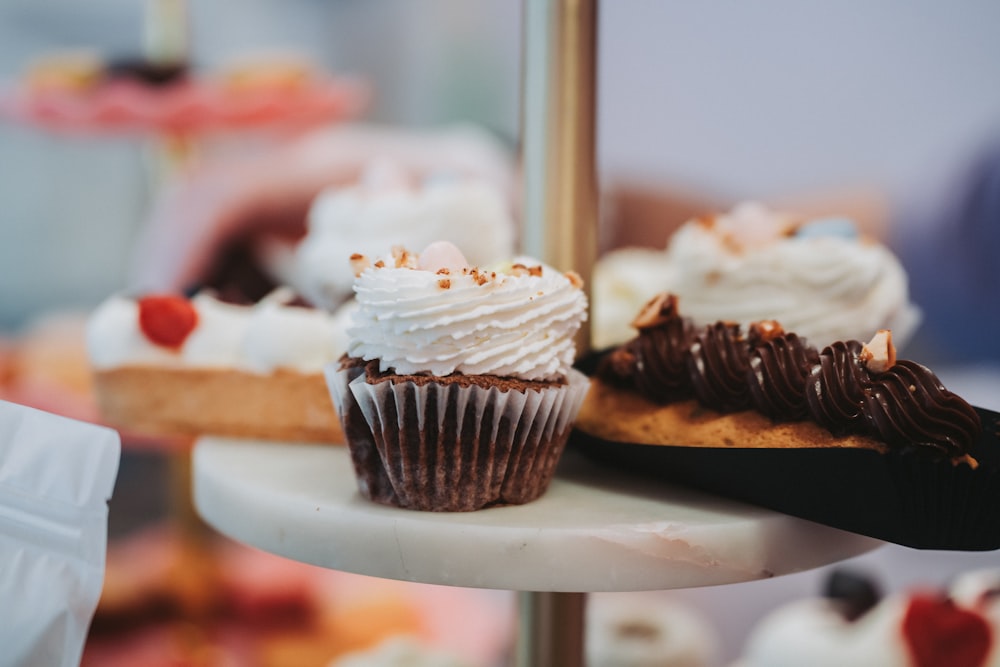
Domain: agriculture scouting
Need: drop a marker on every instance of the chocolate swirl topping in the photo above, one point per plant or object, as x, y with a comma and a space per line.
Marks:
655, 361
779, 375
779, 367
718, 363
835, 390
907, 405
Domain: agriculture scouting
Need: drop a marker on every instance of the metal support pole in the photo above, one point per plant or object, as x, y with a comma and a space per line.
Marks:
558, 154
558, 146
550, 629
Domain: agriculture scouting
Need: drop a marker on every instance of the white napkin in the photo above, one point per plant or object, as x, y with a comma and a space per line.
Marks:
56, 476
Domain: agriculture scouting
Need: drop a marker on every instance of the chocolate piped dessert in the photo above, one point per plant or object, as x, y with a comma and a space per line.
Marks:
850, 389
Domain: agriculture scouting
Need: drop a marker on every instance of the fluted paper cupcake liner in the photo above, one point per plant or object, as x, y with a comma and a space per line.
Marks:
373, 483
447, 447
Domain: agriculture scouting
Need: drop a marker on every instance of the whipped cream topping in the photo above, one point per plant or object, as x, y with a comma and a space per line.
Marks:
387, 208
260, 338
514, 321
817, 278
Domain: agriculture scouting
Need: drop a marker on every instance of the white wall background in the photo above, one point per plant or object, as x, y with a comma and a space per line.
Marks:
741, 99
770, 96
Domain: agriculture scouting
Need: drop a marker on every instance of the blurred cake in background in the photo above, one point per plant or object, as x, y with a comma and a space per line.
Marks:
86, 91
267, 72
69, 71
170, 365
400, 652
645, 630
391, 206
168, 601
45, 366
818, 277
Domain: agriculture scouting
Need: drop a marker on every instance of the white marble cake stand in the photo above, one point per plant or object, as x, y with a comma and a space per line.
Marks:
594, 530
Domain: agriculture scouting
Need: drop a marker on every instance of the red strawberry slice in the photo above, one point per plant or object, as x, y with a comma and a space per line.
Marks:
167, 320
939, 634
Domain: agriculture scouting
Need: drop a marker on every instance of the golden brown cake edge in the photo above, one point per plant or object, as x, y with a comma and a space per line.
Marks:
283, 405
620, 415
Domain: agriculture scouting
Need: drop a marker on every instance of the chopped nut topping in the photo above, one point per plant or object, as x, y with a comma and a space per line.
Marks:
879, 354
404, 258
444, 283
574, 278
657, 311
519, 269
359, 263
379, 264
764, 331
444, 271
480, 278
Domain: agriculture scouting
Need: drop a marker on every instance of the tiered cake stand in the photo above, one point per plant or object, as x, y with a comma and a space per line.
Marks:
594, 530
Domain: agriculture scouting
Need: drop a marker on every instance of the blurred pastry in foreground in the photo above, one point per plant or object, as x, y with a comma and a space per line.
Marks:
853, 625
400, 652
646, 631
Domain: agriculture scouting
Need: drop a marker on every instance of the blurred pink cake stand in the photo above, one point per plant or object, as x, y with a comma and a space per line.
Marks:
191, 107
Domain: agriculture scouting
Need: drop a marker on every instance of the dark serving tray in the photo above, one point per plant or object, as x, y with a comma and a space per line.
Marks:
906, 497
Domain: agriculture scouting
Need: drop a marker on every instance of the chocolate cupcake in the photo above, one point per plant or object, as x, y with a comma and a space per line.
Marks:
457, 391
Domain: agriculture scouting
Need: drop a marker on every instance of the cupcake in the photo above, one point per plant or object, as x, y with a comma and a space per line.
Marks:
457, 390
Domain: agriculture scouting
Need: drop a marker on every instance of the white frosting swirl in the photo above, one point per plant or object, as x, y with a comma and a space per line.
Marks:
261, 338
507, 325
744, 267
385, 210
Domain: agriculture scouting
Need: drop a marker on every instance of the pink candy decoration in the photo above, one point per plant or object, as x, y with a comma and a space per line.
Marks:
442, 255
